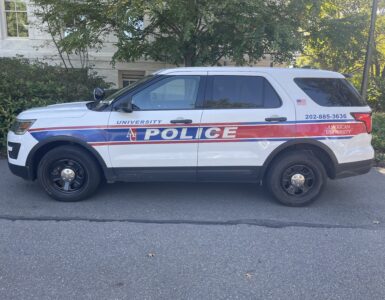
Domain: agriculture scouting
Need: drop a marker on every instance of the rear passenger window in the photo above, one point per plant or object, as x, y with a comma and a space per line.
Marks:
330, 91
241, 92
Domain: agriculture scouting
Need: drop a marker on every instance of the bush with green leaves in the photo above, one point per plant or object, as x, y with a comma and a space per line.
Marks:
376, 93
379, 136
25, 84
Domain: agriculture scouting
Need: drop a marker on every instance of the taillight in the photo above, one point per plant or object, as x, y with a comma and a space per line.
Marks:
366, 118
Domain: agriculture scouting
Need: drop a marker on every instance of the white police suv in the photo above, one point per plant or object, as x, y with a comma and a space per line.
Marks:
288, 128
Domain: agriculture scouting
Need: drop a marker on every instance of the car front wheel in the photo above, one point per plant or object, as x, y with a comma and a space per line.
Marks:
68, 173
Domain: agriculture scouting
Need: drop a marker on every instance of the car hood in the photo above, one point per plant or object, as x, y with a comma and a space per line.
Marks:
66, 110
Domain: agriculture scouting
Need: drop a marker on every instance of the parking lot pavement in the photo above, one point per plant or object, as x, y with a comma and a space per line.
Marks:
357, 201
192, 240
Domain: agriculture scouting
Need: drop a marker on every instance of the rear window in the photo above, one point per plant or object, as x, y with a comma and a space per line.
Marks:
229, 91
330, 91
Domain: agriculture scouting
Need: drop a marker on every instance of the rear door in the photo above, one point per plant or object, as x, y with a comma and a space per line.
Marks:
246, 116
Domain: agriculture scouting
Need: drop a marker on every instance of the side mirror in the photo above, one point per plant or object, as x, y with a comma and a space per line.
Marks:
125, 107
98, 94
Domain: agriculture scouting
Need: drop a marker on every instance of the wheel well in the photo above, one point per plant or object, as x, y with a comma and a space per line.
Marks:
35, 158
328, 161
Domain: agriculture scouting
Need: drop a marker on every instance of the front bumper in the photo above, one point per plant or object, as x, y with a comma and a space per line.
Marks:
19, 146
21, 171
13, 150
353, 168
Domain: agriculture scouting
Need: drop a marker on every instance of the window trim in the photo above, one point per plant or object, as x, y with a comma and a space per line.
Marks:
209, 93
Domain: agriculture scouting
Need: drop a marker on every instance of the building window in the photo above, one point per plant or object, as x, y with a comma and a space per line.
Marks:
131, 76
16, 18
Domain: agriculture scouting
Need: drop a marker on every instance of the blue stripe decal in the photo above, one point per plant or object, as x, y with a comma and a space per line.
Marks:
89, 135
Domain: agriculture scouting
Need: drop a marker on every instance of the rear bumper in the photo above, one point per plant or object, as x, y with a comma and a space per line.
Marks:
21, 171
353, 168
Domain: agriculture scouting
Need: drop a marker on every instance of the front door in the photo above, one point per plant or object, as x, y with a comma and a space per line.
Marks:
157, 136
250, 115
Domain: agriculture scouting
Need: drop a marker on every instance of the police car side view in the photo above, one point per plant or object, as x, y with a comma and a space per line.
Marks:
290, 129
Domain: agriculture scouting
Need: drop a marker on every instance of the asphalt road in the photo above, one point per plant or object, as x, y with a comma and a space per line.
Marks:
192, 241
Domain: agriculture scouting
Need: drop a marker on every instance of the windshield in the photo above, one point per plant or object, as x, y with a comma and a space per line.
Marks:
115, 95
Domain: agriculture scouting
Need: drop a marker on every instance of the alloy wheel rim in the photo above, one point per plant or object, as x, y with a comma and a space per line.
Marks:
67, 175
298, 180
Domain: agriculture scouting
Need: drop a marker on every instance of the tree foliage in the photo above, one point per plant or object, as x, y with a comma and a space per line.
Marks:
202, 32
336, 39
189, 32
74, 27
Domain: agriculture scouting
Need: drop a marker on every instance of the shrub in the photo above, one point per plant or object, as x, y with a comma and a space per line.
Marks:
379, 135
376, 94
24, 85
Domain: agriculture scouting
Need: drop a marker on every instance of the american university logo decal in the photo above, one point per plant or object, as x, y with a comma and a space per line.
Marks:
131, 135
339, 129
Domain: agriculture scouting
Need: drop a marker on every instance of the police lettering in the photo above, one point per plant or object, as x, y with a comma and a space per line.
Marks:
186, 133
213, 133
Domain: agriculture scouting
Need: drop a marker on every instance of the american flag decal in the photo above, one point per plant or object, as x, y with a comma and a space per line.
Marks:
301, 101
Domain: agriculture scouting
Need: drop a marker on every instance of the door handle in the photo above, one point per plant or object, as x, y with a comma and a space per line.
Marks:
276, 119
181, 121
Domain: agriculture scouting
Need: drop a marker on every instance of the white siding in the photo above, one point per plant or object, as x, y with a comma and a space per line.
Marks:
39, 46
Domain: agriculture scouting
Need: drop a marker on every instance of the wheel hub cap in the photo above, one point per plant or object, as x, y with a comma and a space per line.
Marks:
298, 180
67, 175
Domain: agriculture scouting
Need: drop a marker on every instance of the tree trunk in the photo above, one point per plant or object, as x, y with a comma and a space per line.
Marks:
187, 61
376, 63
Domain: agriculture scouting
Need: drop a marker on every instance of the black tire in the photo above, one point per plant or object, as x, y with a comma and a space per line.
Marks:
84, 171
282, 174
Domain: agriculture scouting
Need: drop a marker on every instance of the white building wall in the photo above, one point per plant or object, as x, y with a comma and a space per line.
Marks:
38, 45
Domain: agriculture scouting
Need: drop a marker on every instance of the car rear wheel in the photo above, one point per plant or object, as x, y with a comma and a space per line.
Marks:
68, 173
296, 178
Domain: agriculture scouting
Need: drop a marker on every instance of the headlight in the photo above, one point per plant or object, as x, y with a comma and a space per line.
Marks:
21, 126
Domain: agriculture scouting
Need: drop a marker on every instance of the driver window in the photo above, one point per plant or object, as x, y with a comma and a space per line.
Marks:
176, 92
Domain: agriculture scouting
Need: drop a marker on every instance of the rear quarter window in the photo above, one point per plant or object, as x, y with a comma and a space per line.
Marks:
330, 91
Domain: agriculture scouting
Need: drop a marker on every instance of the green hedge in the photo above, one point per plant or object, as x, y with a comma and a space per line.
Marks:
24, 85
379, 136
376, 94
